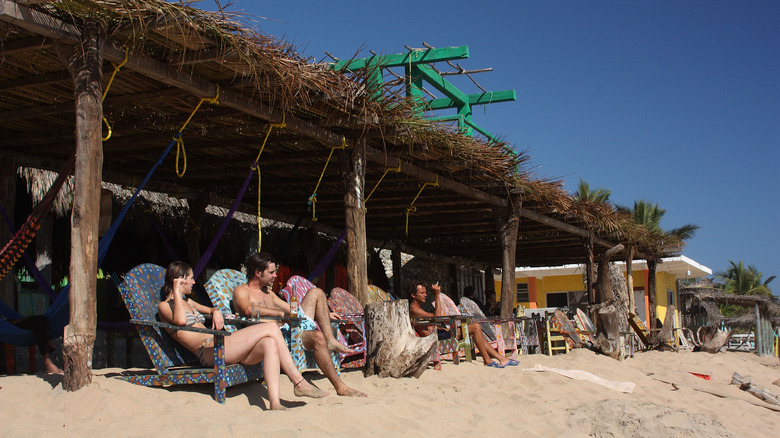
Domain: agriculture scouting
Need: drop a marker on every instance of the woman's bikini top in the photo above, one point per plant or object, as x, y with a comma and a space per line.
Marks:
193, 318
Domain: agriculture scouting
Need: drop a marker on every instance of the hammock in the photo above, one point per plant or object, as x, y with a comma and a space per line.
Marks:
18, 244
58, 311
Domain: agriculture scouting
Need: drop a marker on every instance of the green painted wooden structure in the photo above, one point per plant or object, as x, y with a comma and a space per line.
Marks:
417, 68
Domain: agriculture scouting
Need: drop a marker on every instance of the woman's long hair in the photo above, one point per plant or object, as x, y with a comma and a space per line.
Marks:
174, 270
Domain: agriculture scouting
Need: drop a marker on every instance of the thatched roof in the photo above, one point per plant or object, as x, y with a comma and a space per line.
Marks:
173, 55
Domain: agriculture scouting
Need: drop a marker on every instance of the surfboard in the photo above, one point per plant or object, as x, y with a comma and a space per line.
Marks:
639, 328
587, 325
562, 323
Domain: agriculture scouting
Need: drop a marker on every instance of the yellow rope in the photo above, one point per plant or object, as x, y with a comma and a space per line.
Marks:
256, 166
178, 137
412, 208
259, 219
105, 92
389, 169
313, 198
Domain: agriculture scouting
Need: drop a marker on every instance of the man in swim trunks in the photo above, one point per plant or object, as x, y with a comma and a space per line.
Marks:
261, 274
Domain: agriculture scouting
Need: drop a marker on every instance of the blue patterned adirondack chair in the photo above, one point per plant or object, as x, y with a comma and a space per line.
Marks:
174, 364
220, 289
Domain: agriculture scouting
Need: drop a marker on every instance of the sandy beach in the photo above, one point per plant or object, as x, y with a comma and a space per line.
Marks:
460, 400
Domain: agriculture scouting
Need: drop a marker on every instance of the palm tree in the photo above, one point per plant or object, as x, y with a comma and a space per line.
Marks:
649, 216
744, 281
584, 193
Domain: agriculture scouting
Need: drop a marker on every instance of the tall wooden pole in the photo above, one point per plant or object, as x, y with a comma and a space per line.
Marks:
630, 279
85, 64
590, 273
651, 267
509, 224
355, 218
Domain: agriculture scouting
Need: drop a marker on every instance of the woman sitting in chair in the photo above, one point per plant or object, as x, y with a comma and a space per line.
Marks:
418, 296
247, 346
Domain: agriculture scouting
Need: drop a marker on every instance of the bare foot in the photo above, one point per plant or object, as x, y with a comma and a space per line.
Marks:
306, 389
349, 392
278, 407
54, 369
339, 348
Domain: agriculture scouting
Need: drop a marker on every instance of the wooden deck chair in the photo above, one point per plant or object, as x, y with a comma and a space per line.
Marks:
175, 365
353, 330
492, 328
220, 290
554, 340
376, 294
301, 286
453, 349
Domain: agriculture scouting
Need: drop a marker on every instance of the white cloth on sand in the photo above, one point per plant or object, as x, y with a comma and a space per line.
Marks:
627, 387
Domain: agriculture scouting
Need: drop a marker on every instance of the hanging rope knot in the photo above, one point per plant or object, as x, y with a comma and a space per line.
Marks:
283, 124
180, 148
312, 199
213, 100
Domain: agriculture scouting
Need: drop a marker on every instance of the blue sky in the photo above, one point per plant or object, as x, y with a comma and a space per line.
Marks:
672, 102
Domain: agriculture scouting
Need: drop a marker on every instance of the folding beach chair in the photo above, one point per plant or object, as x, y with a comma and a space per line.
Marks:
175, 365
354, 327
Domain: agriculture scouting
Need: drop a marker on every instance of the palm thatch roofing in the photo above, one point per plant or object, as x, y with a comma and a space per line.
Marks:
172, 55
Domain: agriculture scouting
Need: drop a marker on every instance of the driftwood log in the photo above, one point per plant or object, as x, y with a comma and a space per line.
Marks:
607, 309
660, 340
746, 384
712, 339
393, 349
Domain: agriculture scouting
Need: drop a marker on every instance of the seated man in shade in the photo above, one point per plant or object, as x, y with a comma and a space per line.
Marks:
261, 274
418, 295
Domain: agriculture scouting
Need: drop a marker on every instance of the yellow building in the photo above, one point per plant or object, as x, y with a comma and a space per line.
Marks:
559, 286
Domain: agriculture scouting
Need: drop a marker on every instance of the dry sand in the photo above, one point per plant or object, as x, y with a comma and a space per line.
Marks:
458, 401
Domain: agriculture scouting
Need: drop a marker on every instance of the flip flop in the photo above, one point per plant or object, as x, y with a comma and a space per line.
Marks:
495, 365
512, 363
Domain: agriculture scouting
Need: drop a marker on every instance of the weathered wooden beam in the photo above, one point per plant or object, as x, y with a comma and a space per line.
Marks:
20, 45
428, 176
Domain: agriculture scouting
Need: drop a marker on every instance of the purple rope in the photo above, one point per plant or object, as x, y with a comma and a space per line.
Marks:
314, 277
204, 259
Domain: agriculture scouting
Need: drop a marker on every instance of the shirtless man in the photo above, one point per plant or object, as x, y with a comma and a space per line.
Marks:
418, 295
261, 274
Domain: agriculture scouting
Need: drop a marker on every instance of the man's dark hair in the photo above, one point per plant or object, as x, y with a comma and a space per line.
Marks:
468, 291
413, 287
257, 262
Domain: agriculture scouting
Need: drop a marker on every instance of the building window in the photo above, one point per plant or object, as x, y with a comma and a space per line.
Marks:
557, 299
522, 293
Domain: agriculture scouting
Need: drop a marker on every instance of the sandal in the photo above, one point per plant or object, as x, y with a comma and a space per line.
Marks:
495, 365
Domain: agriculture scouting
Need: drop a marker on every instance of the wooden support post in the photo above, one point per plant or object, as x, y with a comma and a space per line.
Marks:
630, 279
508, 226
651, 316
609, 313
85, 62
590, 279
355, 218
